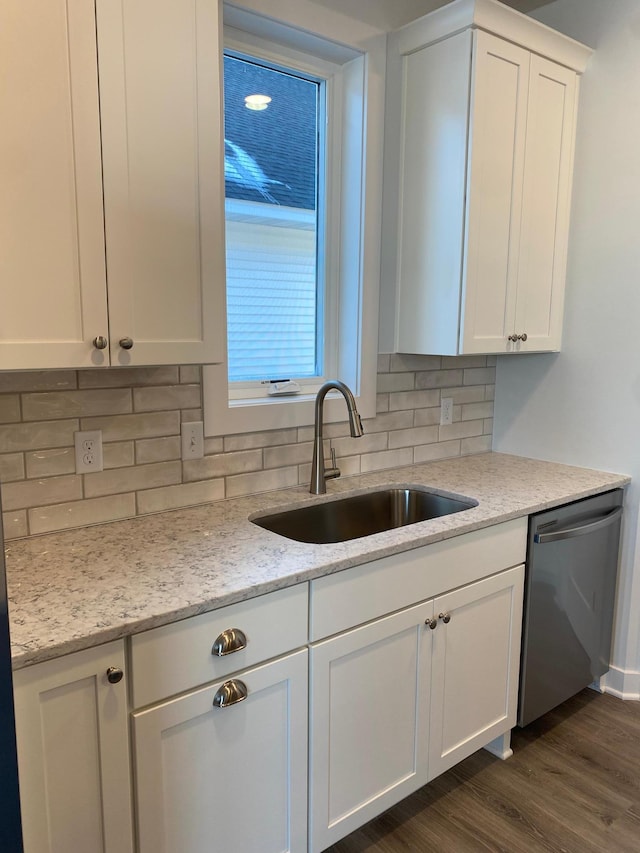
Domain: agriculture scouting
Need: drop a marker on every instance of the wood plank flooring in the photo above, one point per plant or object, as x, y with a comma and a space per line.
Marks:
571, 786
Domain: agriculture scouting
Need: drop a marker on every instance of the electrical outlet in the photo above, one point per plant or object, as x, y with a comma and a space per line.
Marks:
88, 446
192, 434
446, 411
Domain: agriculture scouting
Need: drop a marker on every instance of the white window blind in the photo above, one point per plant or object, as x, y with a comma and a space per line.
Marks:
271, 292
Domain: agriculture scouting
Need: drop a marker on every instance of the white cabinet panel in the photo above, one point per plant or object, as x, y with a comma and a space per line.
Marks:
73, 754
229, 779
53, 294
546, 203
497, 146
162, 150
476, 659
369, 721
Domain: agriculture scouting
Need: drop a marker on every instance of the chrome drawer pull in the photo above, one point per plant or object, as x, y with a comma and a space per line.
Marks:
231, 640
230, 693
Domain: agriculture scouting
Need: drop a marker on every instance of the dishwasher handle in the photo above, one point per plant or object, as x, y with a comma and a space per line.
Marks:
580, 530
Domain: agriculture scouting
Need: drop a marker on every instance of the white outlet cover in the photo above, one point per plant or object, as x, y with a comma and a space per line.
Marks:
88, 446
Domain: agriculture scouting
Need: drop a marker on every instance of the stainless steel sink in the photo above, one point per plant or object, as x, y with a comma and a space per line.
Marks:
361, 515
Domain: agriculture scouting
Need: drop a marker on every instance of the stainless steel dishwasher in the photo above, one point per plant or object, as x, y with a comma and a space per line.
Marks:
572, 563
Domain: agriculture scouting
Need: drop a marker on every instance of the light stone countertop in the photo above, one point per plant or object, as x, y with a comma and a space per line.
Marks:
79, 588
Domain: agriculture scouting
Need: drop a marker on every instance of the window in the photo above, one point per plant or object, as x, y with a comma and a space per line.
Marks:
275, 196
302, 258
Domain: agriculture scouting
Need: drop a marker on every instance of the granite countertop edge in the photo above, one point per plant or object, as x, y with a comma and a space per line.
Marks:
80, 588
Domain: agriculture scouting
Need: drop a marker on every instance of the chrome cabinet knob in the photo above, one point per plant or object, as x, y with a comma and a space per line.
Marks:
229, 641
114, 675
523, 336
432, 623
230, 693
126, 343
513, 338
446, 617
100, 342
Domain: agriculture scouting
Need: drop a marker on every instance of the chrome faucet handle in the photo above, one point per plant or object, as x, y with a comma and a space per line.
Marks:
332, 451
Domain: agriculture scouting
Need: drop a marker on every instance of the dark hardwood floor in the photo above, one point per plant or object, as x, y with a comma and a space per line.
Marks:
571, 786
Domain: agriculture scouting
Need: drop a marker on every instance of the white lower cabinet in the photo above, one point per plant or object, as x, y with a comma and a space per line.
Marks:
398, 701
226, 779
412, 664
73, 753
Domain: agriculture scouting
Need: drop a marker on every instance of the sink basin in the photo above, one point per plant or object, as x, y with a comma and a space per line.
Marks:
361, 515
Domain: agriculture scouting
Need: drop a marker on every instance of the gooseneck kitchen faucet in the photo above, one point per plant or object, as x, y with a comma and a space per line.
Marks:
320, 474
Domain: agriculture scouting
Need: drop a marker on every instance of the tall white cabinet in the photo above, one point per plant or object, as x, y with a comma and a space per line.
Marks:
481, 113
120, 111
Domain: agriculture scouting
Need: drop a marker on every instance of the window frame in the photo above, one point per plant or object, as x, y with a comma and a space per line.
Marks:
357, 96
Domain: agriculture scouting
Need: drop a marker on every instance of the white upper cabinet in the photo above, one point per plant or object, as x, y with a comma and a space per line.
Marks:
478, 172
154, 126
53, 298
160, 105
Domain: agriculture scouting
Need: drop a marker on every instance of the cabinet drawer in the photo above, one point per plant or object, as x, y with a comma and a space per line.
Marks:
177, 657
354, 596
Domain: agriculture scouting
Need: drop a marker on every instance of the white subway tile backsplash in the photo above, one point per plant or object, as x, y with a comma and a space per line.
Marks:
38, 380
413, 400
475, 444
396, 382
81, 513
162, 398
186, 494
132, 479
128, 377
158, 449
271, 438
480, 376
126, 427
35, 436
386, 459
438, 378
412, 437
49, 490
290, 454
461, 429
139, 411
49, 463
190, 374
9, 408
49, 405
15, 524
11, 467
261, 481
433, 452
118, 454
472, 411
221, 465
387, 421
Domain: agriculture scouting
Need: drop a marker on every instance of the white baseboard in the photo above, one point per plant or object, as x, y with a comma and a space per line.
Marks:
622, 683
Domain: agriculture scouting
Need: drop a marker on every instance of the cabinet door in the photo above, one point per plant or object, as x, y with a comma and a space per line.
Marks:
476, 659
494, 193
73, 754
369, 721
545, 204
53, 294
226, 780
160, 106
